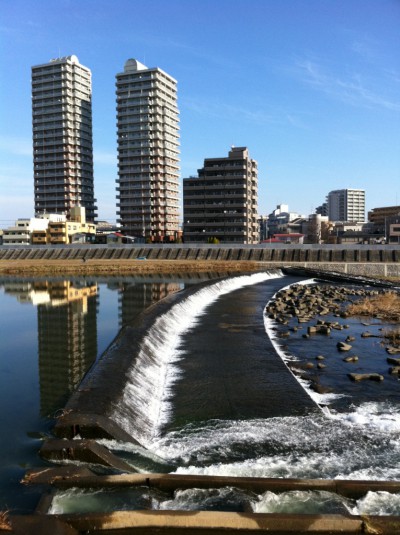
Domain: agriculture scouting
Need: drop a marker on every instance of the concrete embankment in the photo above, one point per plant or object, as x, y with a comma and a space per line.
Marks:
366, 260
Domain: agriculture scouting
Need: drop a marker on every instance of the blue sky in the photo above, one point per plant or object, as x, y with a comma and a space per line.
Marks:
311, 87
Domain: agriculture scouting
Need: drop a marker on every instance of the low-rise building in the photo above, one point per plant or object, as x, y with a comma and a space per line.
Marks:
392, 234
48, 229
21, 232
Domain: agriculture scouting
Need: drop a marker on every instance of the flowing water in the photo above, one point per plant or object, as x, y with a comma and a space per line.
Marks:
209, 393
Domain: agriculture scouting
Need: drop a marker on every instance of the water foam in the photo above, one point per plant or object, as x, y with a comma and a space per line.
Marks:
145, 407
311, 447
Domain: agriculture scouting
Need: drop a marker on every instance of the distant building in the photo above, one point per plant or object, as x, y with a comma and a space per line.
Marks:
287, 238
281, 221
21, 232
378, 216
346, 205
322, 210
392, 230
62, 137
221, 203
49, 229
148, 153
316, 228
61, 232
263, 227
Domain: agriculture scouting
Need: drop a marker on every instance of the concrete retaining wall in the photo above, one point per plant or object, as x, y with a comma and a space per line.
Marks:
364, 260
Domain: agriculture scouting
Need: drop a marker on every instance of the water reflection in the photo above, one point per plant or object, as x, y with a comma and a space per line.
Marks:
67, 335
52, 330
67, 326
134, 298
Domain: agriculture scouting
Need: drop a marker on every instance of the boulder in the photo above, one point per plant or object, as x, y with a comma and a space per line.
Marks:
342, 346
364, 376
391, 360
393, 350
353, 358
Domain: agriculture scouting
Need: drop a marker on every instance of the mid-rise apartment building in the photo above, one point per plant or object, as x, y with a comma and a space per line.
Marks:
346, 205
62, 137
148, 153
378, 216
221, 203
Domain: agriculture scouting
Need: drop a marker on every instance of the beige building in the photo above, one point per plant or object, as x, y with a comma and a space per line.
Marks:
62, 137
61, 232
148, 153
379, 215
221, 203
48, 229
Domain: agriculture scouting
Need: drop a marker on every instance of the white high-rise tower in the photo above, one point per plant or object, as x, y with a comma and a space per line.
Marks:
148, 153
62, 137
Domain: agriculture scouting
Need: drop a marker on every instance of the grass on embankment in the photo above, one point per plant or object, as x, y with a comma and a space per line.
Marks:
386, 306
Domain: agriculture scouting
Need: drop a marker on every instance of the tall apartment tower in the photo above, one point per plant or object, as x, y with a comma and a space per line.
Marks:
62, 137
222, 201
346, 205
148, 153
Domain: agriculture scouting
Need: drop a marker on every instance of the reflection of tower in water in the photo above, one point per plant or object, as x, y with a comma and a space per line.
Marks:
136, 297
67, 336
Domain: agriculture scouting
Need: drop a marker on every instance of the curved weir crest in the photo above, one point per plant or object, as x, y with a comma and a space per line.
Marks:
145, 408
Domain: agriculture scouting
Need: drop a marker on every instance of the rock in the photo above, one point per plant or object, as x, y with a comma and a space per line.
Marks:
364, 376
321, 366
395, 370
366, 334
350, 339
309, 365
354, 358
342, 346
320, 357
396, 362
284, 334
393, 350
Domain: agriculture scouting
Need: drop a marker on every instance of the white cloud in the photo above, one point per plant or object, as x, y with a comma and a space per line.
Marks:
221, 110
351, 91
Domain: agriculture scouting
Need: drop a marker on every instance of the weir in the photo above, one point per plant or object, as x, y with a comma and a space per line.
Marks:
127, 395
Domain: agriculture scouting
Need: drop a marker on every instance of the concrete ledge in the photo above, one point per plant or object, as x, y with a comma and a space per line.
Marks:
88, 451
87, 425
204, 522
152, 522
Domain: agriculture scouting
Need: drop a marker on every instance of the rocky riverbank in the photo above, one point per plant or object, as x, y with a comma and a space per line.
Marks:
315, 327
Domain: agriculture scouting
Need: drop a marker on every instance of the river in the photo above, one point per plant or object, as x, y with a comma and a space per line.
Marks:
221, 400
